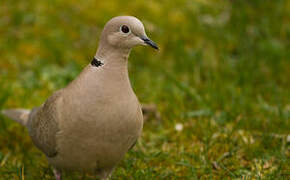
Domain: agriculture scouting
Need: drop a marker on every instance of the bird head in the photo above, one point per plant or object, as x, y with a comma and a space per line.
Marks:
125, 32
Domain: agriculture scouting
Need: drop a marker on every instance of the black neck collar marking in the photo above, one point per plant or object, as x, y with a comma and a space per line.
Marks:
97, 63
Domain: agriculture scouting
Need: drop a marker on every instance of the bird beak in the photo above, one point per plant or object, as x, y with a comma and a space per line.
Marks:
150, 42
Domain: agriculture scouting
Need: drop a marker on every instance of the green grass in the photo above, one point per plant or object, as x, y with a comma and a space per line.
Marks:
222, 72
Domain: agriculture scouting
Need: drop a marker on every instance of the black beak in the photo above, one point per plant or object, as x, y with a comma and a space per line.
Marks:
150, 42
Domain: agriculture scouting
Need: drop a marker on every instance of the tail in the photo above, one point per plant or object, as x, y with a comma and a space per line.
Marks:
19, 115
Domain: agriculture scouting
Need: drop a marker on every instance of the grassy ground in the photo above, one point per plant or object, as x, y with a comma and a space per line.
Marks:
222, 73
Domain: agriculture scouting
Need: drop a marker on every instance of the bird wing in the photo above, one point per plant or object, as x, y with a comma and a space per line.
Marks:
139, 118
43, 124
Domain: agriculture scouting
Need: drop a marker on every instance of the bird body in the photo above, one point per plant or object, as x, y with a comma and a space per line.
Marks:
90, 124
104, 132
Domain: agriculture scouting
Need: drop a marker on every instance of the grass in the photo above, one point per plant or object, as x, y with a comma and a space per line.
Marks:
222, 72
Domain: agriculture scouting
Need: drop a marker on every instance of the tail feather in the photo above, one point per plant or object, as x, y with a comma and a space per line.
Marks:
19, 115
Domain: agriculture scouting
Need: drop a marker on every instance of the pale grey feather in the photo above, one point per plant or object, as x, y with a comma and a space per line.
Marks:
18, 115
42, 125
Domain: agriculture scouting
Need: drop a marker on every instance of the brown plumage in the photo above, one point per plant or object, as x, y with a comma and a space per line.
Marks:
90, 124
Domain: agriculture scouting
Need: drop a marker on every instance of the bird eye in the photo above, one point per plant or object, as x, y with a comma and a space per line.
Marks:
125, 29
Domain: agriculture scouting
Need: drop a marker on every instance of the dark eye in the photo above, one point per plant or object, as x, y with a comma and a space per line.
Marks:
125, 29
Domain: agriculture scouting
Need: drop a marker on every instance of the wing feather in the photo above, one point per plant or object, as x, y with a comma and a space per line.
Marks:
43, 124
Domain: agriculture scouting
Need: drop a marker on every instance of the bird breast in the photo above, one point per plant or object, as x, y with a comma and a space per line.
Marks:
97, 135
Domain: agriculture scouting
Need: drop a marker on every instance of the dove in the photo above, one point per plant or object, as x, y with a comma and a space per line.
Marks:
90, 124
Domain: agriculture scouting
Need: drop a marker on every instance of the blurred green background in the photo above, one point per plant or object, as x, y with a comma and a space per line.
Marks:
222, 73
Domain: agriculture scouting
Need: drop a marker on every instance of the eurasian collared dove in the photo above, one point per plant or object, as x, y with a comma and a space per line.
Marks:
90, 124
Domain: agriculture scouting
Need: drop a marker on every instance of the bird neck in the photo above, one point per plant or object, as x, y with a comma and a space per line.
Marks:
114, 64
113, 57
